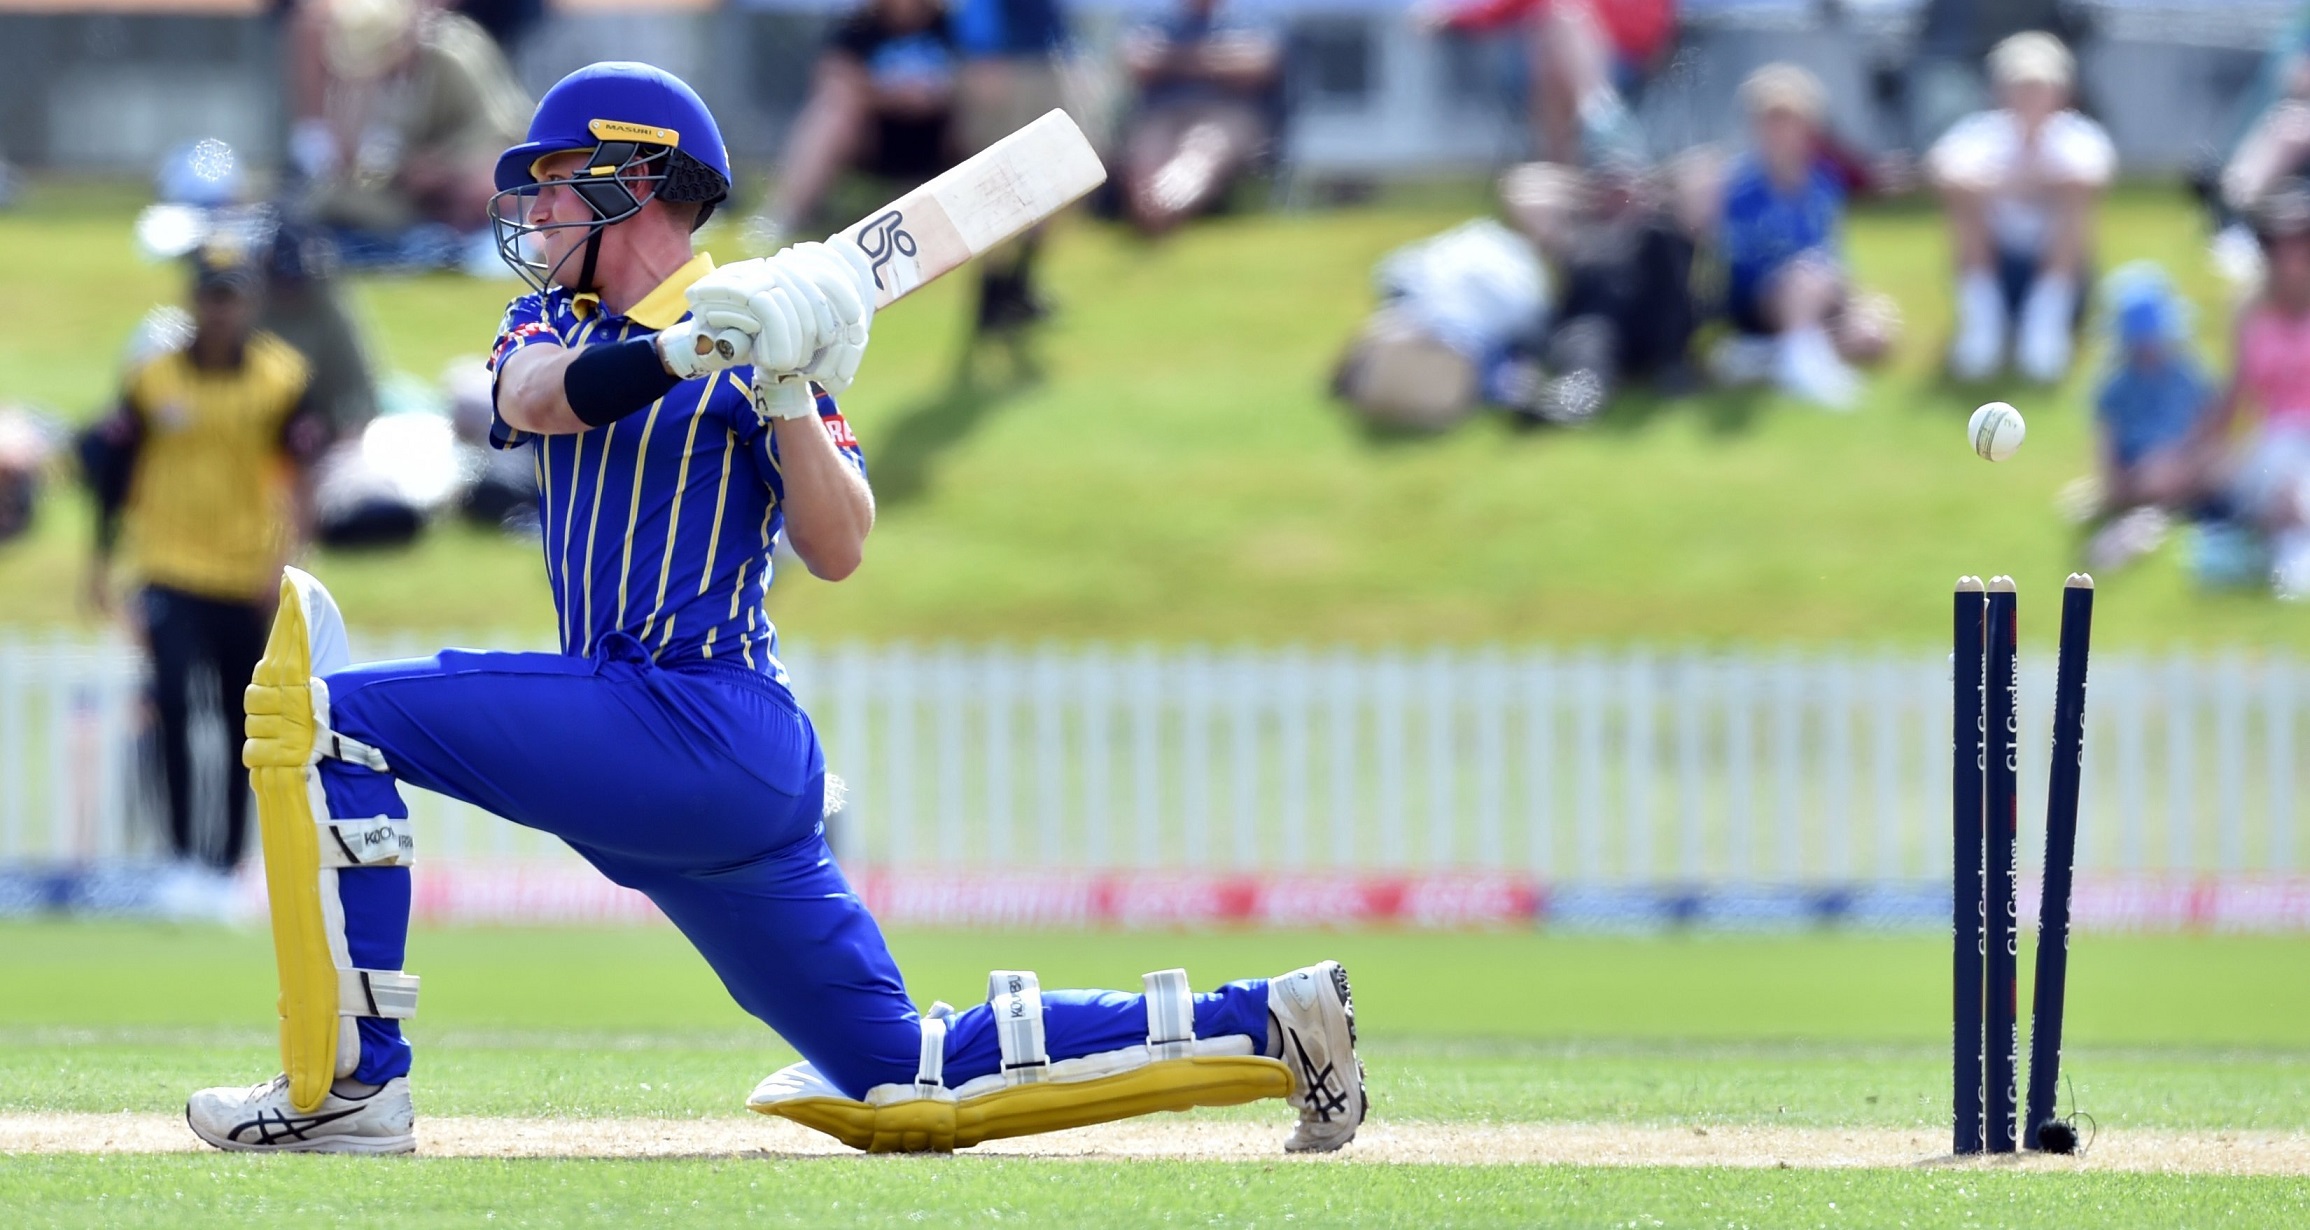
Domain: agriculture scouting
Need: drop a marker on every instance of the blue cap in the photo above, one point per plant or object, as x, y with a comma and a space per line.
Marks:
2143, 320
617, 100
2143, 307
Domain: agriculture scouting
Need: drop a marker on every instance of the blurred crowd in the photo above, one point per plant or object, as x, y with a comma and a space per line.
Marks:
1610, 266
252, 420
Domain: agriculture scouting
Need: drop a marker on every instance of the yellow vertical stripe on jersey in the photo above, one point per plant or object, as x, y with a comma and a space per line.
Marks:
674, 519
721, 501
634, 506
593, 527
740, 587
577, 463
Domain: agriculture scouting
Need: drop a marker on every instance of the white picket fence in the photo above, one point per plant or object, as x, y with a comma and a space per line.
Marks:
1623, 766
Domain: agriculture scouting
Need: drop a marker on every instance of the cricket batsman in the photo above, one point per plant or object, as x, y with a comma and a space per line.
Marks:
662, 743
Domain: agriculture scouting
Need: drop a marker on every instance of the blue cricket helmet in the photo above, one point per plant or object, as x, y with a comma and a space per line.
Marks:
618, 100
642, 126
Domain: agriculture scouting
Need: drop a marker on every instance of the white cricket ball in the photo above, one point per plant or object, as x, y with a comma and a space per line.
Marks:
1996, 430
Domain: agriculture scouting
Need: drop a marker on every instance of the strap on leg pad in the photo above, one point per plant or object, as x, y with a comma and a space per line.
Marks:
382, 842
327, 741
1173, 1071
1017, 1000
1170, 1014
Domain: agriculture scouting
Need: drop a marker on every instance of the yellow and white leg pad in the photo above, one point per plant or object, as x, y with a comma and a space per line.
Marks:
1172, 1070
288, 734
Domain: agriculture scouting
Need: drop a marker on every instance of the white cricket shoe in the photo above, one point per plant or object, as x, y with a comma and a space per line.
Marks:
352, 1119
1315, 1019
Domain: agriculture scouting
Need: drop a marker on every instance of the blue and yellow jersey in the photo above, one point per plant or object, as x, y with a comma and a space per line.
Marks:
658, 525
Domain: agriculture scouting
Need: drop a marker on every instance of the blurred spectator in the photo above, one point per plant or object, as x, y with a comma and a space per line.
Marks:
2284, 76
1583, 60
2271, 141
2020, 184
202, 195
882, 101
304, 42
2148, 413
1941, 81
1455, 311
2277, 146
27, 443
1622, 244
303, 306
416, 105
201, 461
508, 22
1208, 99
1013, 54
2272, 382
1788, 293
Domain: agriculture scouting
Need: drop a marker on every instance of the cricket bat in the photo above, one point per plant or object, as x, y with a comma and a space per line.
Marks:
1002, 191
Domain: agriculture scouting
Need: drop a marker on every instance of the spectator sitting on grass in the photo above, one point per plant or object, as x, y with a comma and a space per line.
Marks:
2147, 413
2272, 463
418, 103
2020, 184
1788, 290
1206, 86
882, 102
1621, 242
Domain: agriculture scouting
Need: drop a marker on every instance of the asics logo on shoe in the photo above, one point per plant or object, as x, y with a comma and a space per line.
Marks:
1321, 1098
273, 1127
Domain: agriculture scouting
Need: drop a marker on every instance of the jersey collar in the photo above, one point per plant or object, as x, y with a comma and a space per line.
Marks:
662, 306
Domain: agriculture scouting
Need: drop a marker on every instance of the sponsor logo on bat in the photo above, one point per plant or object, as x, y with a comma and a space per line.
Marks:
883, 240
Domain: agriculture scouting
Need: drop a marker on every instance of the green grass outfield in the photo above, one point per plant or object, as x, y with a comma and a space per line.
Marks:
1832, 1031
1178, 472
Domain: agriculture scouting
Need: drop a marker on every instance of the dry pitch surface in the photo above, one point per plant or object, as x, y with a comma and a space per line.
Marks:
2140, 1151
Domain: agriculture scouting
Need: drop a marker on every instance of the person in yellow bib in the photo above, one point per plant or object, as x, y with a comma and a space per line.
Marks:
199, 475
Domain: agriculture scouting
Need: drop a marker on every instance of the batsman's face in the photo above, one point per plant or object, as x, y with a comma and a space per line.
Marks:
556, 207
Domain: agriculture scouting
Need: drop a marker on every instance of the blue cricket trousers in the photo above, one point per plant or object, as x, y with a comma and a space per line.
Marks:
700, 787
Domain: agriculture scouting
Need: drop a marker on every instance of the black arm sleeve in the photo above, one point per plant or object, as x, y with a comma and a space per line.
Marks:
607, 383
108, 450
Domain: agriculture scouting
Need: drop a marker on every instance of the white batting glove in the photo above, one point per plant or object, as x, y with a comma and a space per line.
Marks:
806, 310
847, 277
743, 308
783, 396
694, 348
